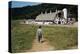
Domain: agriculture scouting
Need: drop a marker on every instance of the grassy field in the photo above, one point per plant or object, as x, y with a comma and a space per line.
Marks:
22, 36
61, 37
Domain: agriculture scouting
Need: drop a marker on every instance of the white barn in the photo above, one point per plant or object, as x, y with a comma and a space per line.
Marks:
52, 17
57, 17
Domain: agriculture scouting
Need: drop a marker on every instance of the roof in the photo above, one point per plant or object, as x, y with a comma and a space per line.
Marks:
47, 16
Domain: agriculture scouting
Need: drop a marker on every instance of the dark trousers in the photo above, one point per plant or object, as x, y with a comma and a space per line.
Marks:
39, 38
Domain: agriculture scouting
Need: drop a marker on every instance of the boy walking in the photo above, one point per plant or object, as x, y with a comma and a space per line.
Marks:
39, 34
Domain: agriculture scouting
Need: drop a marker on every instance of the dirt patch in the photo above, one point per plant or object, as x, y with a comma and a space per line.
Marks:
44, 46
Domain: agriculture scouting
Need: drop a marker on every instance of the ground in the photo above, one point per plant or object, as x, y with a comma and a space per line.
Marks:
44, 46
56, 37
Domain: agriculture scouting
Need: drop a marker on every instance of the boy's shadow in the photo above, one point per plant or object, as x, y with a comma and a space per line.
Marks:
43, 41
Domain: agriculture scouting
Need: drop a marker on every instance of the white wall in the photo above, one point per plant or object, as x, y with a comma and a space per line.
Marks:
46, 23
38, 22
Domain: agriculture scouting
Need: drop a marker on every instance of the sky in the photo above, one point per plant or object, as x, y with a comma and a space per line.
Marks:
22, 4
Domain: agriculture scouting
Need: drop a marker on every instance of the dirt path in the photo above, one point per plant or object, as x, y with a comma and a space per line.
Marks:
41, 46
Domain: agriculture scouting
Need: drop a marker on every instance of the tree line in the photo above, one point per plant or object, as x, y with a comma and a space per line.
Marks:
30, 12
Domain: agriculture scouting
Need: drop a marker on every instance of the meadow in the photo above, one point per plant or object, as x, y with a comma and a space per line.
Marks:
22, 36
61, 37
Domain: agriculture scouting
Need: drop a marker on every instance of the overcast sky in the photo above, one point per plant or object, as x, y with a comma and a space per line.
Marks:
21, 4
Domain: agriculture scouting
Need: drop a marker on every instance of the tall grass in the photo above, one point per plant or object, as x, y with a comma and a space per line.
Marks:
61, 37
22, 37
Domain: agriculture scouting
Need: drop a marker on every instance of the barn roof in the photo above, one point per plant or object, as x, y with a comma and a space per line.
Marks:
47, 16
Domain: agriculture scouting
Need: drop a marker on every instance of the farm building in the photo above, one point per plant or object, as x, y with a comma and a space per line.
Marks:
57, 17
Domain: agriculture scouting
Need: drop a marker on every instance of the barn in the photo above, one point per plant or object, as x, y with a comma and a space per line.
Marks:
57, 17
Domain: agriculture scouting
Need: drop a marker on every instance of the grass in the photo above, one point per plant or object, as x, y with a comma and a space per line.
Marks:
61, 37
23, 35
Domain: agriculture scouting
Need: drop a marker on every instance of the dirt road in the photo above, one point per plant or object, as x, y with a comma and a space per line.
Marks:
44, 46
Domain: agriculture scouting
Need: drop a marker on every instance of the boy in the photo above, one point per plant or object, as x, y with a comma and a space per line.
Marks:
39, 34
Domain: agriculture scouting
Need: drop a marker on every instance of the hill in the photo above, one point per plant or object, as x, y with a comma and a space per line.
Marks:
30, 12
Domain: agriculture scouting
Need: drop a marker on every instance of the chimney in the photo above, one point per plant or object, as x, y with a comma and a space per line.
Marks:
41, 12
50, 12
45, 12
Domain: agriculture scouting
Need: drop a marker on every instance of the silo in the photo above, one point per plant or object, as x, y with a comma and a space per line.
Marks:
65, 13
